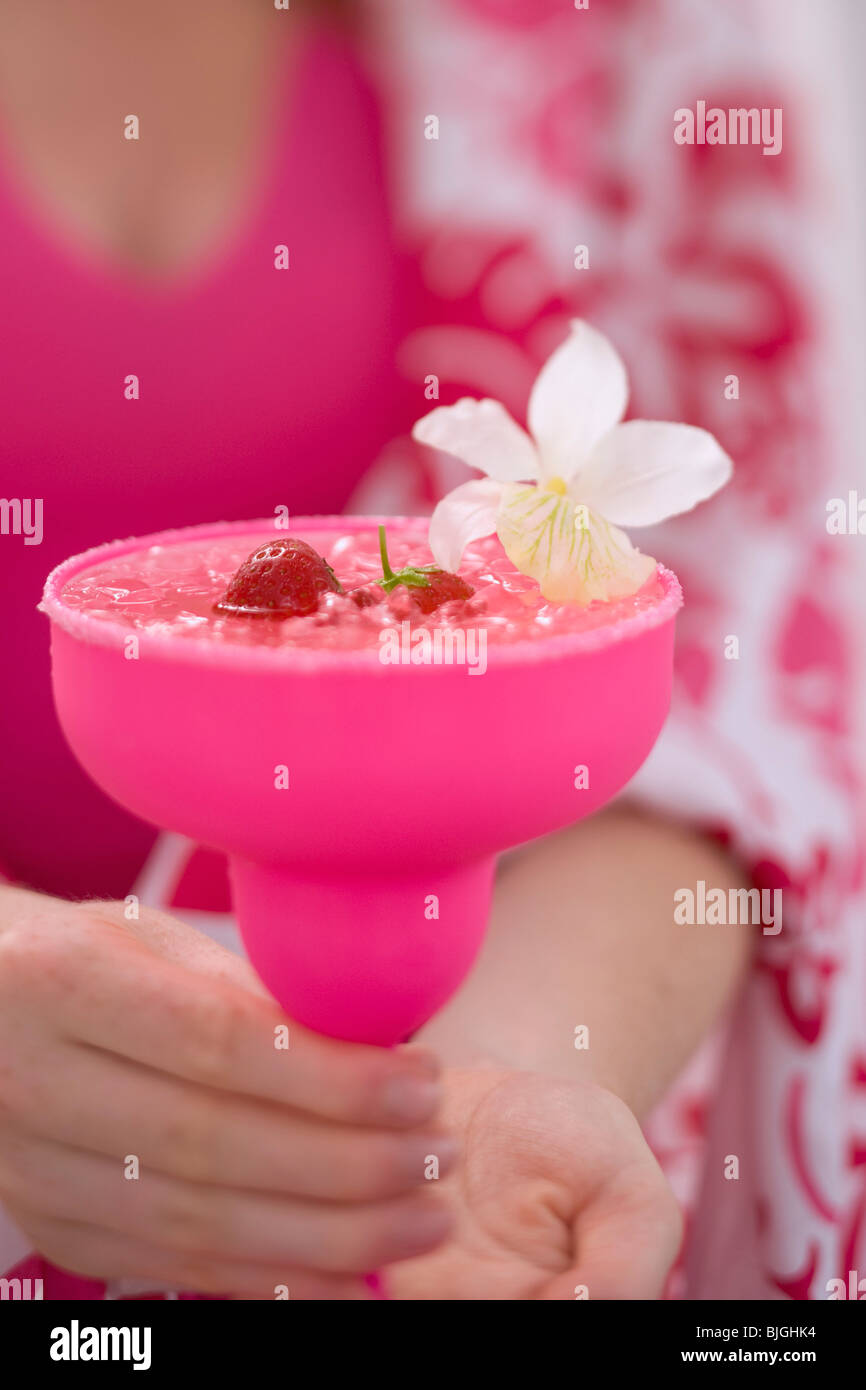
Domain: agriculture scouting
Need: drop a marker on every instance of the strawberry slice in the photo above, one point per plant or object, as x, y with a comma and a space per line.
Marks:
282, 579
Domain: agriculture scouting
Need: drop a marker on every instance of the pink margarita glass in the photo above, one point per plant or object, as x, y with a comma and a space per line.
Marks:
361, 785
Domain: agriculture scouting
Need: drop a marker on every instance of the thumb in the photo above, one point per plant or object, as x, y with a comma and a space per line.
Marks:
625, 1242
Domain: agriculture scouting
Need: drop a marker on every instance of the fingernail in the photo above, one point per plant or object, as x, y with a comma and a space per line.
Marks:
420, 1152
410, 1098
423, 1230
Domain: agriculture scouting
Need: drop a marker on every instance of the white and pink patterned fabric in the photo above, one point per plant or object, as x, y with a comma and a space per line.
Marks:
555, 130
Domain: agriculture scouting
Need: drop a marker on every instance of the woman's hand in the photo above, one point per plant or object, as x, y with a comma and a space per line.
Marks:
150, 1128
557, 1190
557, 1197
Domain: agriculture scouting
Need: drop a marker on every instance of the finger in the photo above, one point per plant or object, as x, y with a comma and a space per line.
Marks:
114, 1108
625, 1241
107, 989
227, 1223
197, 1219
97, 1253
175, 940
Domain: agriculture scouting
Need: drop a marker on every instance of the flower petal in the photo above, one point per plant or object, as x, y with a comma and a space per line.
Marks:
482, 434
647, 470
579, 395
466, 514
574, 554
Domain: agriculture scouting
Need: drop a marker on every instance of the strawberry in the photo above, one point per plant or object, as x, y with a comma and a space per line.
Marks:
441, 587
282, 579
428, 585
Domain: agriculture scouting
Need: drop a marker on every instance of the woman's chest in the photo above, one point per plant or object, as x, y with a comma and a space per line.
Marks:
262, 379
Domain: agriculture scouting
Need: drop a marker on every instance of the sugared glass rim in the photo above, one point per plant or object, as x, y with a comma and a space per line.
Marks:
171, 647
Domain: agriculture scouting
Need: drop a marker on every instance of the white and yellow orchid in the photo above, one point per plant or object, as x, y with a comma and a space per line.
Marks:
557, 496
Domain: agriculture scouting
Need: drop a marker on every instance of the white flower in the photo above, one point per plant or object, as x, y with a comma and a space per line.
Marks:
557, 496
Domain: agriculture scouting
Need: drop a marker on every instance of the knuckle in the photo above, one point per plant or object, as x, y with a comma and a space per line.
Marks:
24, 954
189, 1221
190, 1140
216, 1024
41, 955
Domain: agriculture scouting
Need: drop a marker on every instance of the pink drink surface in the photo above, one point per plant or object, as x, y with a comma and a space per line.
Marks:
171, 589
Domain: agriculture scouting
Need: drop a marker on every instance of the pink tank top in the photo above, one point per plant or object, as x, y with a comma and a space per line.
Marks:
258, 387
